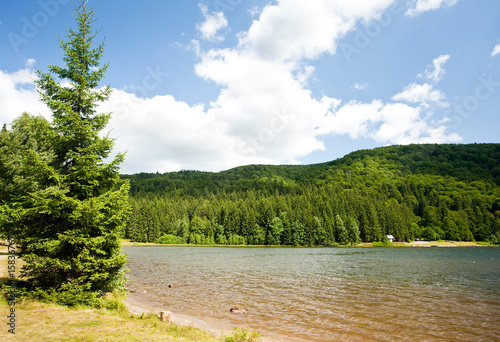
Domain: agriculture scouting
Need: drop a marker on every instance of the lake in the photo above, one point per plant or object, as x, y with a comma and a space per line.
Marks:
328, 294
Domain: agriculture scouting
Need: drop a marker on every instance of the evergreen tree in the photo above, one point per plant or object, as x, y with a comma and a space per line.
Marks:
22, 149
69, 227
353, 231
342, 236
319, 232
275, 231
286, 237
297, 234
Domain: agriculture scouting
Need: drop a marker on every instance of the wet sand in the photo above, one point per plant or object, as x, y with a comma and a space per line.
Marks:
219, 329
211, 325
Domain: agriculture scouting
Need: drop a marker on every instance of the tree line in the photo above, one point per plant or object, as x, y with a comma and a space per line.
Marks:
420, 191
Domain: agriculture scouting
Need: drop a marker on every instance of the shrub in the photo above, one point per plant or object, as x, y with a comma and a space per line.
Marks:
243, 335
169, 239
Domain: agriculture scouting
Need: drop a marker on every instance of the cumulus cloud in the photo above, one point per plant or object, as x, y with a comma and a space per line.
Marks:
30, 62
264, 112
423, 94
18, 94
422, 6
264, 100
213, 23
286, 31
164, 134
264, 105
264, 78
406, 119
496, 50
436, 71
394, 123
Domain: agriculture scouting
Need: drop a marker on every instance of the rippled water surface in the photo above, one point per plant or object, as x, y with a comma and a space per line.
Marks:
351, 294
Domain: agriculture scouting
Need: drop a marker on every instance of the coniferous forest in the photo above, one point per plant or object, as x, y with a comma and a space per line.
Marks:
430, 192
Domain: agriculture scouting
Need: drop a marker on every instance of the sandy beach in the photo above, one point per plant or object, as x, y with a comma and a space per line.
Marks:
214, 326
211, 325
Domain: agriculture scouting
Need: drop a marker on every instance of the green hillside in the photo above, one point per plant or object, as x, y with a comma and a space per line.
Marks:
415, 191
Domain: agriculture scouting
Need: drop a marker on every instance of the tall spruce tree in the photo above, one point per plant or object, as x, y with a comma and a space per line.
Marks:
69, 228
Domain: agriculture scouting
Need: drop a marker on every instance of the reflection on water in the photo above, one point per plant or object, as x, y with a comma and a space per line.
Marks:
301, 294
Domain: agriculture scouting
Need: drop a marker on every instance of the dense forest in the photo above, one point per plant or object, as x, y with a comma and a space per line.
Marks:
449, 192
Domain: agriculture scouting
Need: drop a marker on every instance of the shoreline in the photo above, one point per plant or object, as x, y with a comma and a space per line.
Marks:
218, 329
214, 326
128, 243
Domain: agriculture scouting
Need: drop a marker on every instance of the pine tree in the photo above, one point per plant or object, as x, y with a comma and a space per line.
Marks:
275, 231
352, 231
297, 233
69, 228
319, 232
342, 235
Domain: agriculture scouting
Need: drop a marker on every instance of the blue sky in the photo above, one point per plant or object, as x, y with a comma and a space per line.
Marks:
213, 84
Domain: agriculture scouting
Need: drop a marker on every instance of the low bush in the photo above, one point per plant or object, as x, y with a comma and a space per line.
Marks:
243, 335
169, 239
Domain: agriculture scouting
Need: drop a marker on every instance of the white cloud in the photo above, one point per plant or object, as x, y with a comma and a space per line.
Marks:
30, 62
359, 86
264, 105
264, 101
18, 95
423, 94
163, 134
254, 11
435, 72
394, 123
496, 50
422, 6
297, 29
264, 113
213, 23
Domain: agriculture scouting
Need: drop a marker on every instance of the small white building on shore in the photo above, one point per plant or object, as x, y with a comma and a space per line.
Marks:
391, 238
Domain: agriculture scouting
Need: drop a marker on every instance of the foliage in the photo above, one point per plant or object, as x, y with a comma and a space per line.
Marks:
243, 335
418, 191
24, 151
66, 206
169, 239
384, 243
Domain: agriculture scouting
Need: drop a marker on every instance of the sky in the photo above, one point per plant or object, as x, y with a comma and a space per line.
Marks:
213, 84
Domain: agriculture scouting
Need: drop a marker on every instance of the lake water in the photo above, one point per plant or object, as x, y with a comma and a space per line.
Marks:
329, 294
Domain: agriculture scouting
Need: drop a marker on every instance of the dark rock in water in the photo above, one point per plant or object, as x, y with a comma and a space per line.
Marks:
235, 310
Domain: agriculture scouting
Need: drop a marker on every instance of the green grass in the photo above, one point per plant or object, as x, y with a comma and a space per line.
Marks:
37, 321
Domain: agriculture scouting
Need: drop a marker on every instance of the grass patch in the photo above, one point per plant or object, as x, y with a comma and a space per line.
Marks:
243, 335
86, 324
37, 321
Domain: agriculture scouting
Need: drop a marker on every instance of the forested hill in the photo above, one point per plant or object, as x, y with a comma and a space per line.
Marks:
475, 162
414, 191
